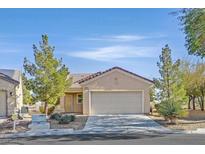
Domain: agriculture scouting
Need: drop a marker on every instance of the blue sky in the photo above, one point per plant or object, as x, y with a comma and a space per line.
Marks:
91, 40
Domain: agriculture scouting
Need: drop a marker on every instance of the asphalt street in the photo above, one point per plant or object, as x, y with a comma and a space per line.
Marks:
131, 139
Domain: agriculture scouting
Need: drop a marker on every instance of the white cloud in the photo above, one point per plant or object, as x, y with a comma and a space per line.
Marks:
117, 38
115, 52
124, 37
128, 37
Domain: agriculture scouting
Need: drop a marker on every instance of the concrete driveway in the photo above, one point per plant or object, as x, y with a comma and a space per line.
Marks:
123, 124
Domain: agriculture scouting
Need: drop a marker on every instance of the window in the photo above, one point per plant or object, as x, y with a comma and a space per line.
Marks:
80, 98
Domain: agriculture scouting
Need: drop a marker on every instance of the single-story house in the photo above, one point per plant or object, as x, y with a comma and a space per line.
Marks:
114, 91
11, 95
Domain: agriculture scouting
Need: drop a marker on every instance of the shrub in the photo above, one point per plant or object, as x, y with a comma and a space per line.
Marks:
56, 116
41, 109
66, 119
72, 117
20, 117
171, 110
50, 110
156, 106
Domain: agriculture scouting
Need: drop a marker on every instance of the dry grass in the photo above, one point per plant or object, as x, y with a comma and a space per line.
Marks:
182, 124
7, 126
78, 123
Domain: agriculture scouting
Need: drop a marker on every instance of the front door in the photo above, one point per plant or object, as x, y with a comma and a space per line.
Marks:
69, 103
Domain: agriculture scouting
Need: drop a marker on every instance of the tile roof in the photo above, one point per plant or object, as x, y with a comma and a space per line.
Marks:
100, 73
76, 77
8, 78
14, 74
79, 76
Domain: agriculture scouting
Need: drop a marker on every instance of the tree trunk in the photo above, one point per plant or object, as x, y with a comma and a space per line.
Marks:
199, 101
189, 103
193, 101
168, 92
202, 100
46, 108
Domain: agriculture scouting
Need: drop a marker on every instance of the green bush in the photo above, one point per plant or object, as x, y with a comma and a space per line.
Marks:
56, 116
66, 119
41, 109
156, 106
171, 110
50, 110
72, 117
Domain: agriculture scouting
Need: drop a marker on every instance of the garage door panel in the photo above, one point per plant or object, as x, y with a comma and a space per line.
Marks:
116, 102
2, 103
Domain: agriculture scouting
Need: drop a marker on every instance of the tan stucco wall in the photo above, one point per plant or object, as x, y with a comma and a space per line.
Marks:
19, 94
73, 90
85, 101
116, 80
11, 100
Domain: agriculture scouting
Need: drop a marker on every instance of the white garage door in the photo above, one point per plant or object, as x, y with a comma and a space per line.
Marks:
116, 102
2, 103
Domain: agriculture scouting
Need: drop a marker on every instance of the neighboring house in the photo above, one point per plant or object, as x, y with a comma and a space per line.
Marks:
114, 91
11, 95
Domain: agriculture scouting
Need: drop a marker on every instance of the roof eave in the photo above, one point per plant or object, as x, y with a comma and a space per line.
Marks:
85, 81
10, 80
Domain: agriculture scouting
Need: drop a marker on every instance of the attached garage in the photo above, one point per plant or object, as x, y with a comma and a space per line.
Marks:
8, 94
3, 104
117, 102
113, 91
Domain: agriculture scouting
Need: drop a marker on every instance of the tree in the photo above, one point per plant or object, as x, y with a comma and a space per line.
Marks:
152, 94
165, 69
193, 24
171, 91
200, 83
194, 81
48, 76
190, 79
27, 97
